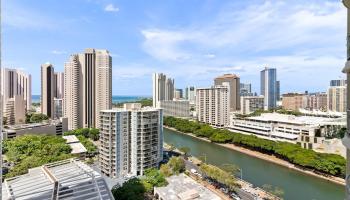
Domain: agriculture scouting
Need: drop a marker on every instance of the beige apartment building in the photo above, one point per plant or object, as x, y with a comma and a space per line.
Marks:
131, 140
234, 89
213, 105
337, 99
250, 104
163, 88
16, 82
15, 110
88, 87
294, 101
317, 101
47, 90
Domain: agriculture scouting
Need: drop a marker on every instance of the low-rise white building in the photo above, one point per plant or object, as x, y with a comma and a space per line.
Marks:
303, 130
131, 140
176, 108
49, 127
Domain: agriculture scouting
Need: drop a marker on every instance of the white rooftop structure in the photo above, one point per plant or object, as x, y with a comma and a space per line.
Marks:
183, 187
74, 143
68, 179
299, 120
71, 138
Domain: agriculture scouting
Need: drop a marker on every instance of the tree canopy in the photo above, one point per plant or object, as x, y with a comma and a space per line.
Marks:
31, 151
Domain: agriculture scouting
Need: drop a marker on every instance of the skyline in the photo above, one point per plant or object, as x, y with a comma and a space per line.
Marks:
221, 37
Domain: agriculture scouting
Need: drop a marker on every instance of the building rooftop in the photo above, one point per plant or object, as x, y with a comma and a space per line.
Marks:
68, 179
227, 76
32, 125
299, 120
71, 139
75, 145
183, 187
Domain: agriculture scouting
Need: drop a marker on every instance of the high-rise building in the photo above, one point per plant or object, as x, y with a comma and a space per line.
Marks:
16, 82
15, 110
213, 105
191, 94
317, 101
163, 88
234, 89
47, 90
340, 82
337, 99
268, 89
87, 87
250, 104
59, 85
58, 108
278, 90
294, 101
246, 89
169, 89
134, 144
178, 94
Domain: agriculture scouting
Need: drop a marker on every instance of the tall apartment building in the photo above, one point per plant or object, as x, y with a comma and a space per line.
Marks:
337, 99
213, 105
169, 89
294, 101
58, 94
340, 82
317, 101
88, 87
250, 104
59, 85
163, 88
268, 89
234, 89
16, 82
47, 90
131, 140
191, 94
15, 110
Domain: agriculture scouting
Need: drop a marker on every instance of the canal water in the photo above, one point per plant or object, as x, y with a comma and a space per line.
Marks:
296, 185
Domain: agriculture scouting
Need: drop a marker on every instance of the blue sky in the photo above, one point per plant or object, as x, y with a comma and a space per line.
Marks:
191, 40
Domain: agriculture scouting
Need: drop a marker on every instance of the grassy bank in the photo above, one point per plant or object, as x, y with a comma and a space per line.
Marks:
322, 163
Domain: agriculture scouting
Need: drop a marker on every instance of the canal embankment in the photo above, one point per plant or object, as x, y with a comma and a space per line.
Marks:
269, 158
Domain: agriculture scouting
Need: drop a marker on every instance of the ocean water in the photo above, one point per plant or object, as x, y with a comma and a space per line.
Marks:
115, 98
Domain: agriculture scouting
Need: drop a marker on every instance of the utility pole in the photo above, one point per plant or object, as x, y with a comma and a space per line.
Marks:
346, 70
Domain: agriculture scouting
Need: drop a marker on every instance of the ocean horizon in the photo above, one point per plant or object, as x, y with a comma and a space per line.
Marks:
115, 98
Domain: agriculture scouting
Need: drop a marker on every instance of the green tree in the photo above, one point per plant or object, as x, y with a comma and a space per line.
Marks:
166, 170
38, 117
186, 151
133, 189
230, 168
177, 165
94, 134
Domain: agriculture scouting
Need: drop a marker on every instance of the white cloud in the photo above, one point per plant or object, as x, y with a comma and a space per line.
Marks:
294, 37
111, 8
58, 52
